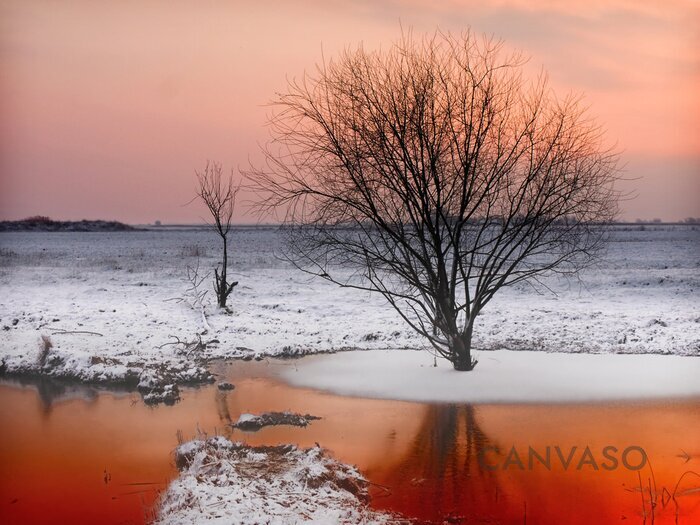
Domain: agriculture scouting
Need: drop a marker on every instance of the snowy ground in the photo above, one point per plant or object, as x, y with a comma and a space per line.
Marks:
126, 288
501, 376
223, 482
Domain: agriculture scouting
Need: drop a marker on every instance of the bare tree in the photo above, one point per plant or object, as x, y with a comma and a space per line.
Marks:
219, 196
441, 174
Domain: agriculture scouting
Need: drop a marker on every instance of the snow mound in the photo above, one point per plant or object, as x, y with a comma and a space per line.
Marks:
502, 376
251, 422
225, 482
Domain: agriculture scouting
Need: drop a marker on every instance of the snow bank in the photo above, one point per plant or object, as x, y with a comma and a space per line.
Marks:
223, 482
501, 376
155, 379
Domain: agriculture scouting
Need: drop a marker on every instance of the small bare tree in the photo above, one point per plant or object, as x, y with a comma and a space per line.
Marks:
441, 174
219, 196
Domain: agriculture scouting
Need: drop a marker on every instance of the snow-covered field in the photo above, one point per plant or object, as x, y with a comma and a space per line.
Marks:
125, 289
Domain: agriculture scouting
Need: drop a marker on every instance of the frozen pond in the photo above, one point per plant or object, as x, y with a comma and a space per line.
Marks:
76, 455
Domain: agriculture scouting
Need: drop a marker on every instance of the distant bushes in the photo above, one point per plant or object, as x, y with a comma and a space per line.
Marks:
43, 223
42, 219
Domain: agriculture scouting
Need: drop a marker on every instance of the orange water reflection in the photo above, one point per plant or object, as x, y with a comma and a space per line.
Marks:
103, 457
441, 475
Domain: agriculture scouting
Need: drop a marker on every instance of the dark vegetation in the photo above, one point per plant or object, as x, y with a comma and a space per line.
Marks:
45, 224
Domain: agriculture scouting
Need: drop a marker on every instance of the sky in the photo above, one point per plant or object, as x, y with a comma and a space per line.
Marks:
108, 108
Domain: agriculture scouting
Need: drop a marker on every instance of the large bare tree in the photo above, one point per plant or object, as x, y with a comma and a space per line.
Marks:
219, 196
441, 173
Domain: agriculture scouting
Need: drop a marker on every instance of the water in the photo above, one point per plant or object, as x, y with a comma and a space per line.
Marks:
72, 454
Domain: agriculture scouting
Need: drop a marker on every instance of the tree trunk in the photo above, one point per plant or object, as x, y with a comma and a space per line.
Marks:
221, 292
461, 351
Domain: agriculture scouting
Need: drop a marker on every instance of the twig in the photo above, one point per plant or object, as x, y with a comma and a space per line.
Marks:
383, 487
641, 493
176, 342
60, 331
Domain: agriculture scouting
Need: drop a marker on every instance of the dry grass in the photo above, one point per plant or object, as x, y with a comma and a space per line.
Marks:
45, 346
193, 250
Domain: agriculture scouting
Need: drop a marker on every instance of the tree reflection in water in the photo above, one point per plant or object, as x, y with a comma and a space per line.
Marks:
439, 476
222, 409
51, 391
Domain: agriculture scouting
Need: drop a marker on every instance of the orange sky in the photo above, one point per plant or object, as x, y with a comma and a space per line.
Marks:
106, 108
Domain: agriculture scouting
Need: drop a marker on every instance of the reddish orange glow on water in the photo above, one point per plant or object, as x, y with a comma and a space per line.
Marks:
441, 474
105, 459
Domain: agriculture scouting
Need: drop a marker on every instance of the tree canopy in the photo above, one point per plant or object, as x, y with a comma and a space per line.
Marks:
441, 173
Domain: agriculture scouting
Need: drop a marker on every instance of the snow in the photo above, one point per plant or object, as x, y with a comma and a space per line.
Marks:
223, 482
126, 288
501, 376
245, 418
